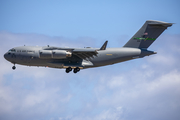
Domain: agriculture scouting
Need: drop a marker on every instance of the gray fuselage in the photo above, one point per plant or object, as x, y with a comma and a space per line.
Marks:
30, 56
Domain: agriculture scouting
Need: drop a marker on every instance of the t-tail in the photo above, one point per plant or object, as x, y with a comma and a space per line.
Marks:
147, 34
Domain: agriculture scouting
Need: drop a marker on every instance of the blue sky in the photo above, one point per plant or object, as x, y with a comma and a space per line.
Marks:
84, 18
145, 88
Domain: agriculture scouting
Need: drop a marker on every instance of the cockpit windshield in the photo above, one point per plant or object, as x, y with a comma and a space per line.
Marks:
12, 50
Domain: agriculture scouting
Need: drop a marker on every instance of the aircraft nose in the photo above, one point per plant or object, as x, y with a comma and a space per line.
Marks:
6, 56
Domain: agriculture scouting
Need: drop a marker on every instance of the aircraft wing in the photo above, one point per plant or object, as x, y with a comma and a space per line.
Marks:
85, 53
88, 53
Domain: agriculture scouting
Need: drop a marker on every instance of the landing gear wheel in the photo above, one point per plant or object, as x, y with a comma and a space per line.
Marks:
76, 70
68, 69
14, 67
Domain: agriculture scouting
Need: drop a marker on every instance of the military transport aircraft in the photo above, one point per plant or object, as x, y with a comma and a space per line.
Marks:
76, 58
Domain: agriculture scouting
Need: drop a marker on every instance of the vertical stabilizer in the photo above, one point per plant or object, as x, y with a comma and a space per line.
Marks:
147, 34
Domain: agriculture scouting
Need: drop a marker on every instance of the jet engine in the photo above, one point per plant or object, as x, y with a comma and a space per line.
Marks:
55, 54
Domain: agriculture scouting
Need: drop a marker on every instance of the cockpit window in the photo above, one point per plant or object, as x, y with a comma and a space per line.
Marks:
12, 50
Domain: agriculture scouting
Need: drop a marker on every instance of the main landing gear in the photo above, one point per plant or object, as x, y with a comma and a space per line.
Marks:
69, 69
76, 70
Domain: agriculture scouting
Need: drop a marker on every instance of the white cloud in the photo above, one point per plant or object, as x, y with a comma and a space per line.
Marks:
116, 82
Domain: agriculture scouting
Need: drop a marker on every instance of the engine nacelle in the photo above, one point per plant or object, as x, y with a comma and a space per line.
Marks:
60, 54
55, 54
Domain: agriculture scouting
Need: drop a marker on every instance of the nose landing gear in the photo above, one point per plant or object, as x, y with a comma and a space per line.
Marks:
14, 67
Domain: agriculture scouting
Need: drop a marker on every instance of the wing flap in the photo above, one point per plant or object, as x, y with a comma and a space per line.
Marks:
85, 54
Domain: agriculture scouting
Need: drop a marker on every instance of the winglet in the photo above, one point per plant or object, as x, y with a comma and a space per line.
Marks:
104, 46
